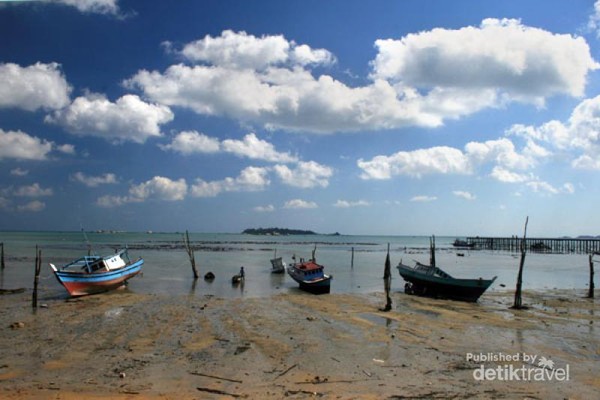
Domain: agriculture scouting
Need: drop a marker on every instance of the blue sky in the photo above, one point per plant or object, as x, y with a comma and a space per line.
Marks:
386, 117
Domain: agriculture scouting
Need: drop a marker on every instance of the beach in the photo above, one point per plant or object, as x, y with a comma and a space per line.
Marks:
127, 345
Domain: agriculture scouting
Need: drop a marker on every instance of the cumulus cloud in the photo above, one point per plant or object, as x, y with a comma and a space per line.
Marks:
38, 86
307, 174
191, 142
508, 163
577, 138
21, 146
419, 80
516, 61
250, 179
241, 50
416, 163
300, 204
127, 119
159, 188
94, 181
255, 148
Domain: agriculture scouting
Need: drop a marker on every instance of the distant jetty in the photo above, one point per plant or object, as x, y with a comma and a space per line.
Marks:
277, 231
537, 245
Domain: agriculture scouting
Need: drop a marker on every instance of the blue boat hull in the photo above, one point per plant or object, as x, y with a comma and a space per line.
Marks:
80, 284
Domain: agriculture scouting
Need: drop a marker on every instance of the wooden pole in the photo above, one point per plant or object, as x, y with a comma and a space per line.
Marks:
518, 304
190, 251
387, 281
591, 288
36, 280
2, 255
432, 251
352, 259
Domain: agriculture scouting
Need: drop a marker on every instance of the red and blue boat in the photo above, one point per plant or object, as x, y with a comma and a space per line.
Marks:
95, 274
310, 276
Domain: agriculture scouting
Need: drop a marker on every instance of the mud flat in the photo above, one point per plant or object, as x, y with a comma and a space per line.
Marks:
125, 345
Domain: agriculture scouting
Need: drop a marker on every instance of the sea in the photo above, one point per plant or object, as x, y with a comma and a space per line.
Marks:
355, 262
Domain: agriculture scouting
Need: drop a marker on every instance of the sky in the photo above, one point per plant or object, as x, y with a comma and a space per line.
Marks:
456, 118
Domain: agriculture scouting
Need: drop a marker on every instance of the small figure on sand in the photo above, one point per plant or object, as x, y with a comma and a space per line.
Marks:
239, 277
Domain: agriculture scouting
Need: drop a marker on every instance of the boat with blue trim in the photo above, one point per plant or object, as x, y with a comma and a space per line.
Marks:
94, 274
310, 276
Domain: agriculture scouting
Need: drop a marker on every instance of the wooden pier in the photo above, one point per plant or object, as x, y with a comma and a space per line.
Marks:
536, 245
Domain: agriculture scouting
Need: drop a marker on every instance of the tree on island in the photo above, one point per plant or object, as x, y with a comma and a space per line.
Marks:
276, 231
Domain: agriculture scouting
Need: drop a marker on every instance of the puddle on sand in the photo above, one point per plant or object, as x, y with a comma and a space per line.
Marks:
379, 320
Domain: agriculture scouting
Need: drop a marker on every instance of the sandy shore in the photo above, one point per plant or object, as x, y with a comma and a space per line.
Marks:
130, 346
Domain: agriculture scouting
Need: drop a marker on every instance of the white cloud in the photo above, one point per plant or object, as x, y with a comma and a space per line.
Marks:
255, 148
423, 199
349, 204
416, 163
39, 86
250, 179
578, 138
265, 209
504, 175
191, 142
594, 19
21, 146
33, 190
307, 174
127, 119
32, 206
541, 186
464, 195
300, 204
421, 79
241, 50
94, 181
514, 61
91, 6
250, 146
158, 188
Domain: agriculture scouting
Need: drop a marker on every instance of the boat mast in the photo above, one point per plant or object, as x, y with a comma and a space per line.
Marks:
432, 250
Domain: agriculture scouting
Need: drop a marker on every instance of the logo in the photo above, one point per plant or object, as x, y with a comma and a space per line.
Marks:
517, 367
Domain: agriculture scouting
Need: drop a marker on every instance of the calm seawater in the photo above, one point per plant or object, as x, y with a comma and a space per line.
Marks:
167, 269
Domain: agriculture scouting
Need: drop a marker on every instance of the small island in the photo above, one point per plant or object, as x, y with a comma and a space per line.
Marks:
277, 231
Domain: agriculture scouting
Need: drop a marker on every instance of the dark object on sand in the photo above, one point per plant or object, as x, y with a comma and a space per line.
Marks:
209, 276
94, 274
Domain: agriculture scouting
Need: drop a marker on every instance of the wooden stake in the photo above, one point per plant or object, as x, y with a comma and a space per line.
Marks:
190, 251
352, 259
591, 288
36, 280
518, 304
2, 255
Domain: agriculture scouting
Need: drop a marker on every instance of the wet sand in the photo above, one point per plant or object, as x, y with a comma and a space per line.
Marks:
125, 345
